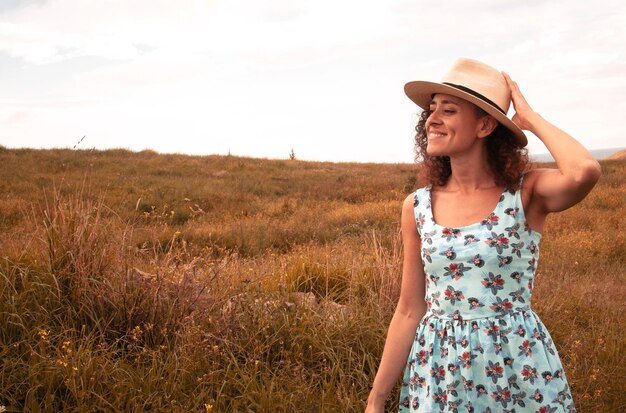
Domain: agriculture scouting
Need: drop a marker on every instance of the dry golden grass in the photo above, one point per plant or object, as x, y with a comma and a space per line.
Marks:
147, 282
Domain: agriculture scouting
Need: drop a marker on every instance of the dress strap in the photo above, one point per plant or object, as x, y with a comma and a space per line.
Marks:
421, 208
512, 206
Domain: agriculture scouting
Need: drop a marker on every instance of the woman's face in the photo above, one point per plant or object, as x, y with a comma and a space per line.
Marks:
453, 126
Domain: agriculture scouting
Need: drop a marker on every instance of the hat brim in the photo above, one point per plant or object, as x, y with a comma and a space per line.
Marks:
421, 93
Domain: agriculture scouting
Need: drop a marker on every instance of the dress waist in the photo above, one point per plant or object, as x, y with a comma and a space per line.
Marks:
465, 316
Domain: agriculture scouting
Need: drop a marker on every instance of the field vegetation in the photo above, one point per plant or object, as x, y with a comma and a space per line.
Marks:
148, 282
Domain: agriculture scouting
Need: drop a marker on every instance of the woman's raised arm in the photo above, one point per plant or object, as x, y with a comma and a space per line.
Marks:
577, 171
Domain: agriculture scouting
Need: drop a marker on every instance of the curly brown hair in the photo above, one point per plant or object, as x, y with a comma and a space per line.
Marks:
507, 161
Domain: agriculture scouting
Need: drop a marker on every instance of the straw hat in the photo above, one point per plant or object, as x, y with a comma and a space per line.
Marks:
475, 82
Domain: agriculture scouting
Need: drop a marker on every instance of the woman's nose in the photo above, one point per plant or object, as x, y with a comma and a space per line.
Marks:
434, 117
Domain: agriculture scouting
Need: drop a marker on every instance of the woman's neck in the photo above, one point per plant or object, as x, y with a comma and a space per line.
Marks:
470, 172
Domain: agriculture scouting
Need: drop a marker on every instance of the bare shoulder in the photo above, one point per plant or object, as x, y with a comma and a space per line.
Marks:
552, 191
533, 211
532, 175
408, 224
534, 180
409, 202
407, 209
529, 182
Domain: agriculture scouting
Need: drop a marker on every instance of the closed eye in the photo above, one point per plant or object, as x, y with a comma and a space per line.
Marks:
446, 111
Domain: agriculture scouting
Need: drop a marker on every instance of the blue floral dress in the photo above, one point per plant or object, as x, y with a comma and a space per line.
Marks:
480, 347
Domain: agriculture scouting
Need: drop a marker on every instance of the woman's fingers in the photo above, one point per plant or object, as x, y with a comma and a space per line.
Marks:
520, 105
519, 101
513, 86
516, 94
511, 82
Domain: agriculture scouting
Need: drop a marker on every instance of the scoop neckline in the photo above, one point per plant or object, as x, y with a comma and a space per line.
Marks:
432, 215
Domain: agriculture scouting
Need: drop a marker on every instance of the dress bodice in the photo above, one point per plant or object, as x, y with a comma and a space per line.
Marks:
479, 270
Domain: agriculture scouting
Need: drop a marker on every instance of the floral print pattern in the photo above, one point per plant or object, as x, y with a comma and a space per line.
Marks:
480, 347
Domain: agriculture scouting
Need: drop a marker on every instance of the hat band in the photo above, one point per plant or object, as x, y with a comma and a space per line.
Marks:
476, 94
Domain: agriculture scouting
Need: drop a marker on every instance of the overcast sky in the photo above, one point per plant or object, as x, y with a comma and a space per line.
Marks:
324, 78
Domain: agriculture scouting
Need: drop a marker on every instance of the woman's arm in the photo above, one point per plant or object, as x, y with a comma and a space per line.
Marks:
555, 189
409, 311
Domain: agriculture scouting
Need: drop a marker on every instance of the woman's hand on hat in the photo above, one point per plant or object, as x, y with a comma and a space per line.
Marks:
523, 111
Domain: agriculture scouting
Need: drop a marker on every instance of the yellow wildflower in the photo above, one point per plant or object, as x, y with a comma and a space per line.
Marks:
136, 333
66, 347
43, 334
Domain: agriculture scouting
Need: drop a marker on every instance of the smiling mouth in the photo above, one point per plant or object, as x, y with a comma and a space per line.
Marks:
436, 135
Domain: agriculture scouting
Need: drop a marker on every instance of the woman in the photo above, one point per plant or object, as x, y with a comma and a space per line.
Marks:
463, 330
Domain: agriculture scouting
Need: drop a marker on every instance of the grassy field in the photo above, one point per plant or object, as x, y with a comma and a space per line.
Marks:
147, 282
